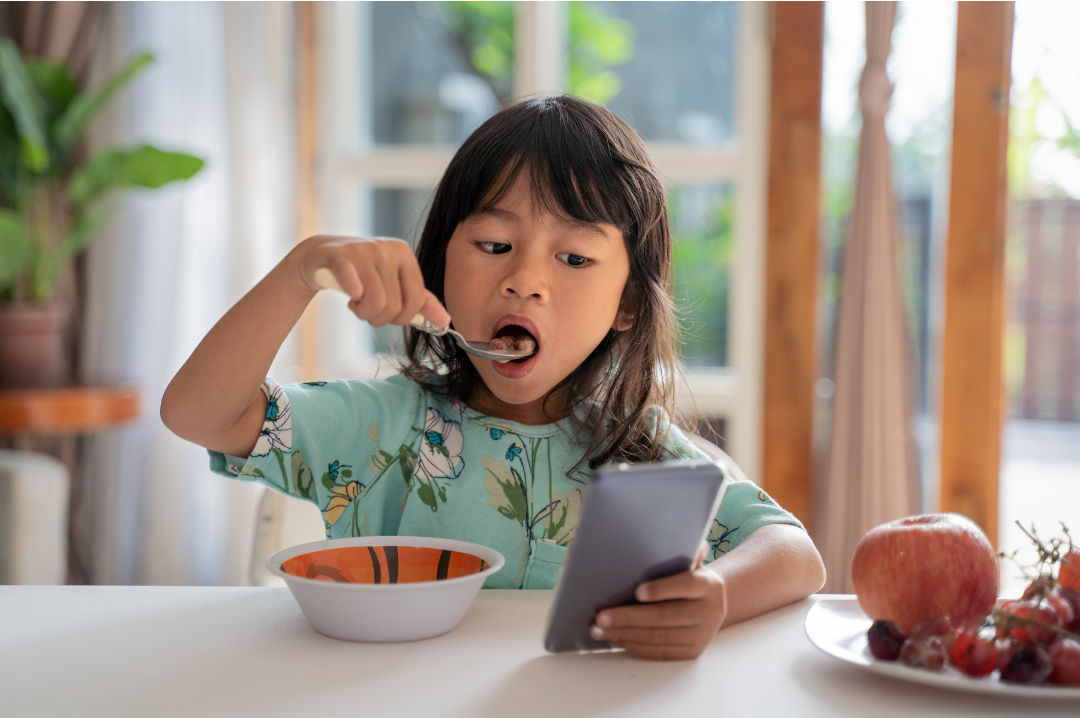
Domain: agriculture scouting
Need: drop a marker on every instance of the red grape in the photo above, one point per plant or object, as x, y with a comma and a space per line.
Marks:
1069, 570
928, 653
1065, 656
974, 653
1027, 617
1072, 597
1038, 587
1006, 647
884, 639
940, 627
1063, 608
1029, 664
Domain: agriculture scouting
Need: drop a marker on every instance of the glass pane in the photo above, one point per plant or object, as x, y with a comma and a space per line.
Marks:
437, 70
667, 68
1040, 467
701, 222
397, 213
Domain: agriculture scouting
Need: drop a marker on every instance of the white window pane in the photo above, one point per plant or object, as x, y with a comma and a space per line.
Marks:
667, 68
437, 69
397, 213
701, 222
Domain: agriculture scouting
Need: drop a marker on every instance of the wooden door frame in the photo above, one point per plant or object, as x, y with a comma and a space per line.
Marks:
973, 391
792, 255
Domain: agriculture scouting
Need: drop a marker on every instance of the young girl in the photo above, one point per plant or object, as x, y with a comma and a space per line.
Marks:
550, 226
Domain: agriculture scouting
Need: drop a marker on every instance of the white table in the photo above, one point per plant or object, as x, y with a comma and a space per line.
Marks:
122, 651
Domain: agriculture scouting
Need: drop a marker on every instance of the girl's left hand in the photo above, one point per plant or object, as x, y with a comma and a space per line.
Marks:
676, 619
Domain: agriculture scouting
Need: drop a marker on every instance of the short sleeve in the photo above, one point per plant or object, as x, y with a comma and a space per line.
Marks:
744, 508
315, 432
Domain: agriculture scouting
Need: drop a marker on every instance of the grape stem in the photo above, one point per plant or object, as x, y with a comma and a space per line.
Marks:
1009, 621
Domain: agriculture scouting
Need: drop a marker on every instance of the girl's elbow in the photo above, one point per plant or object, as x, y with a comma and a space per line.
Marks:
818, 575
813, 565
169, 413
173, 414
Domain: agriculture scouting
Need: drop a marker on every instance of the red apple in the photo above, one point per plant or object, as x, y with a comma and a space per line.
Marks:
927, 566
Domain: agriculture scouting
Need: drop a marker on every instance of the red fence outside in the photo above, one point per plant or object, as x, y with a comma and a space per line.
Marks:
1043, 322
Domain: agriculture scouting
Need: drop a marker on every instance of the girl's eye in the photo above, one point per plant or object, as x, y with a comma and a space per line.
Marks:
574, 260
494, 247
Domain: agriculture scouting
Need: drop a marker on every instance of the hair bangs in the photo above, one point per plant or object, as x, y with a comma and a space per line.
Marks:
575, 170
557, 188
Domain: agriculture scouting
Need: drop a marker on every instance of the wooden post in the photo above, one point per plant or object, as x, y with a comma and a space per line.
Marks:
794, 213
972, 386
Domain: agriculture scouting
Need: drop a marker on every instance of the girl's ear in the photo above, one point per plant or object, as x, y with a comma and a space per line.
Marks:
624, 318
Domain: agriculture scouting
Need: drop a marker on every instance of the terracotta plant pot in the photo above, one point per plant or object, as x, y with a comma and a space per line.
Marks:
33, 354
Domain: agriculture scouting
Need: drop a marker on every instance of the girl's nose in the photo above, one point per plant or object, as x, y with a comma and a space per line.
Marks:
524, 280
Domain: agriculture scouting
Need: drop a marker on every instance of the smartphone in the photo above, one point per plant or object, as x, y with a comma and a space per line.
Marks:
638, 522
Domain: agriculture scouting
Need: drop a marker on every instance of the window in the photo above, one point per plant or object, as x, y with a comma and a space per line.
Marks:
402, 84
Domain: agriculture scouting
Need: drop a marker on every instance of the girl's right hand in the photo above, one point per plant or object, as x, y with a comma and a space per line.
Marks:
380, 275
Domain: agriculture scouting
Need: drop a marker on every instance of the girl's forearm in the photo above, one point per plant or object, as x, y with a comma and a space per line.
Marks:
773, 566
215, 400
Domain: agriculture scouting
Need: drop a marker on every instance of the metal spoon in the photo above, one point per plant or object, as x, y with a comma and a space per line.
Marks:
325, 278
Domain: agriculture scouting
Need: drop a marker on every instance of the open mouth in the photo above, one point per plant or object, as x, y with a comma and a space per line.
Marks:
514, 337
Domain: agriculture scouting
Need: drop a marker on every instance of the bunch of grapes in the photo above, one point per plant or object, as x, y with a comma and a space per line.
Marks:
1034, 639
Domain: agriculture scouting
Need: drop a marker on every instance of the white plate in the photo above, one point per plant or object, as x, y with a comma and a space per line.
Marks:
838, 626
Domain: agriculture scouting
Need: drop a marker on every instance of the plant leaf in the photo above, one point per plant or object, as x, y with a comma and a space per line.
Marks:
83, 228
25, 104
144, 166
15, 247
54, 83
70, 125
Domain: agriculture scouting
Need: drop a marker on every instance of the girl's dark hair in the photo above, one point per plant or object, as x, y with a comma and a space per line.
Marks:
587, 164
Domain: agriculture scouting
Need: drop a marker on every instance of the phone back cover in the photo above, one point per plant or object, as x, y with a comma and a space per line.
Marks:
638, 522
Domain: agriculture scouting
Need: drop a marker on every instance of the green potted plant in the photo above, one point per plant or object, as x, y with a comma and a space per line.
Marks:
51, 201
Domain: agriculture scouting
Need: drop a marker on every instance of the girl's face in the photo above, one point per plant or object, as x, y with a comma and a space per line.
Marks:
515, 268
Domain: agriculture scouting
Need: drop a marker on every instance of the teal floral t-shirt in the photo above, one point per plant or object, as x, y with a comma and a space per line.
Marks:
389, 457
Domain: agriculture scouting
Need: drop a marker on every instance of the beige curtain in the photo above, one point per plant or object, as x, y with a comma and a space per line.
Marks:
61, 31
170, 262
871, 474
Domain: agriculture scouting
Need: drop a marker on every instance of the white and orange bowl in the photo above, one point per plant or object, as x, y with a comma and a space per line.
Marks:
385, 589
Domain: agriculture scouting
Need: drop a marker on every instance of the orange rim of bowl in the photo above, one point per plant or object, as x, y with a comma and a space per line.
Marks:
383, 564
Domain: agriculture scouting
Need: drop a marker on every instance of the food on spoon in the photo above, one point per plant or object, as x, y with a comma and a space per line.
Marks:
928, 566
513, 338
